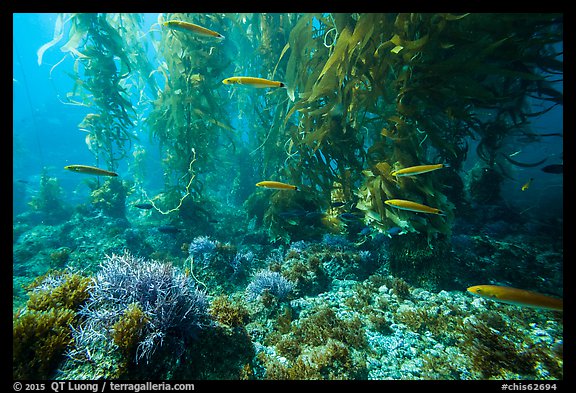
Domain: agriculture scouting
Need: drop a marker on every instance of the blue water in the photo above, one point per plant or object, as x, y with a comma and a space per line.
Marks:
46, 135
45, 130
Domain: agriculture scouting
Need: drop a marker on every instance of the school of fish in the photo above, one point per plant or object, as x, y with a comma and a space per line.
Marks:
493, 292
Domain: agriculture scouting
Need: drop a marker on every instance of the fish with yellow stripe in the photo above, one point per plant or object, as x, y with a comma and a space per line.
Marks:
515, 296
527, 184
418, 169
276, 185
90, 170
413, 206
187, 27
251, 81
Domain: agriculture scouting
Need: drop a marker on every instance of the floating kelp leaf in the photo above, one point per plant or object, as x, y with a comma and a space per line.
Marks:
405, 110
454, 17
549, 64
381, 48
425, 186
327, 86
399, 124
291, 93
492, 47
298, 105
490, 69
297, 41
320, 111
196, 78
469, 88
290, 88
414, 45
384, 169
396, 40
549, 94
339, 52
314, 139
284, 50
81, 24
389, 134
362, 33
525, 164
379, 196
396, 49
198, 112
58, 34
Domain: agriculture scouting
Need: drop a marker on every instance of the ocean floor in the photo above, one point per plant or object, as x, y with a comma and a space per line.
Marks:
333, 308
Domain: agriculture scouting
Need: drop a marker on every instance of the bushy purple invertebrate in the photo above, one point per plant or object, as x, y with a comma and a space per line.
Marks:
241, 261
365, 256
300, 245
269, 281
174, 307
202, 248
336, 241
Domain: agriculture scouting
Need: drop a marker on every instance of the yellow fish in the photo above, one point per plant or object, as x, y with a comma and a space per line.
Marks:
519, 297
90, 170
188, 27
276, 185
527, 185
413, 206
252, 81
418, 169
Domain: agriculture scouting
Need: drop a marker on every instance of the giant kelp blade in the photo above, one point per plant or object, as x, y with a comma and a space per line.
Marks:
58, 35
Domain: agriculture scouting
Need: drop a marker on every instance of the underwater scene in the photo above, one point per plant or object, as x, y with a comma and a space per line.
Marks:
287, 196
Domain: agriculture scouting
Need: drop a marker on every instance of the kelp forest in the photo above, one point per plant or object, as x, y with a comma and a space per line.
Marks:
315, 183
363, 95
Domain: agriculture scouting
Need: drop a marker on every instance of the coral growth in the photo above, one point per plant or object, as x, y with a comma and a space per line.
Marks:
324, 324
